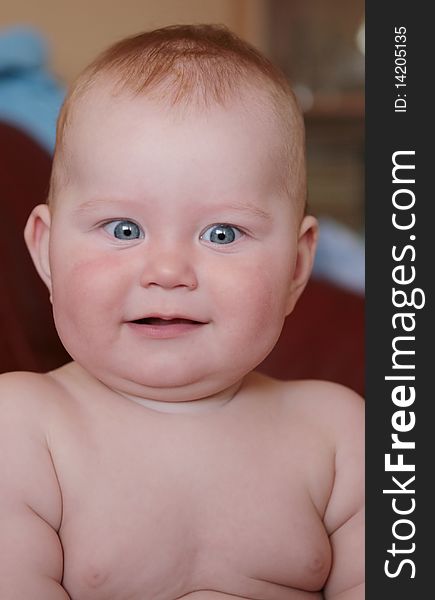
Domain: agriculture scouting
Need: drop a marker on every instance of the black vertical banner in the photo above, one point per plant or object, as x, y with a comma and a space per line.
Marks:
400, 436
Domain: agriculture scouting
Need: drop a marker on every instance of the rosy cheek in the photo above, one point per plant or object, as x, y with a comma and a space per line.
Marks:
253, 294
89, 285
264, 301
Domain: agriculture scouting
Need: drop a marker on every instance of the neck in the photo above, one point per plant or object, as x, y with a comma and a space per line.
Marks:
206, 404
199, 404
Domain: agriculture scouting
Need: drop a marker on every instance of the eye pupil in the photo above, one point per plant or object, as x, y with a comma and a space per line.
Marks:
222, 234
126, 230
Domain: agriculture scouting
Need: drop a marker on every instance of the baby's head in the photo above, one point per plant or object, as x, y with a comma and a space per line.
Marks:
188, 70
175, 239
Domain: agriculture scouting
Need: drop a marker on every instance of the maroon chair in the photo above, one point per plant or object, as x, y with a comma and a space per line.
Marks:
322, 339
29, 340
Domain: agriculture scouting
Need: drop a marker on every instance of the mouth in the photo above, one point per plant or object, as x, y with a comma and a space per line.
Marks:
165, 321
164, 327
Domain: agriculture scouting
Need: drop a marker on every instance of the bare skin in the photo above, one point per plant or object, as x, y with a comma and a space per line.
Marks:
160, 469
243, 497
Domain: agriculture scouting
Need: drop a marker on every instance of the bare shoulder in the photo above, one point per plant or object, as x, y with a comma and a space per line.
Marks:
26, 415
331, 402
29, 408
25, 391
23, 379
29, 412
329, 412
332, 413
335, 409
321, 402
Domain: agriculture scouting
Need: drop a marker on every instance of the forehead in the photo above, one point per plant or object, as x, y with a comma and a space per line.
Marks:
124, 141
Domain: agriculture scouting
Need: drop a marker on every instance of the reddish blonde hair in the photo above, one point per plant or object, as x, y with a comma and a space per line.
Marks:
189, 65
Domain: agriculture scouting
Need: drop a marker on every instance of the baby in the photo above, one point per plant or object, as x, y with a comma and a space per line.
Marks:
157, 465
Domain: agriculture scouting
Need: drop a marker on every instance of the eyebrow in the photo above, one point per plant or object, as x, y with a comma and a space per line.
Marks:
95, 203
248, 208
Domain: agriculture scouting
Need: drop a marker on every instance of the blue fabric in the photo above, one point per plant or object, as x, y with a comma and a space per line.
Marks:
30, 96
340, 256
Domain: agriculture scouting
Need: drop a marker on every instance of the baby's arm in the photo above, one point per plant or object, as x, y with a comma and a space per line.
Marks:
344, 516
31, 558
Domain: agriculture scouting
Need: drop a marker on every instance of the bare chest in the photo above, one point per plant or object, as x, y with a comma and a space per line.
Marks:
167, 513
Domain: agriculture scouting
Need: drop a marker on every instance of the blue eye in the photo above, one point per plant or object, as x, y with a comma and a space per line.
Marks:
124, 230
221, 234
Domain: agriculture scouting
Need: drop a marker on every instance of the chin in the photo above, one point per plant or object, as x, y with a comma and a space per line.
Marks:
170, 379
167, 384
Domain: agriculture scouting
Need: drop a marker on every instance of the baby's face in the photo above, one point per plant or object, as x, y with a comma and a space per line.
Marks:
173, 246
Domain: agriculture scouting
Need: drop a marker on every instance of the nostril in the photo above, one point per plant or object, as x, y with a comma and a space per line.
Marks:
190, 285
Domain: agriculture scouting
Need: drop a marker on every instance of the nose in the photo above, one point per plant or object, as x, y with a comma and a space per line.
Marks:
169, 268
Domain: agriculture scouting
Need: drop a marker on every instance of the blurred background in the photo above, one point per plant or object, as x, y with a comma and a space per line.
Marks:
319, 44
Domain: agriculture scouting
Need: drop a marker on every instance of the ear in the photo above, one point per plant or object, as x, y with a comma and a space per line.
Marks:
307, 241
37, 237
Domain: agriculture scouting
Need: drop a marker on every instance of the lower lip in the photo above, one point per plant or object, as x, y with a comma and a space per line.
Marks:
170, 330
